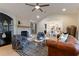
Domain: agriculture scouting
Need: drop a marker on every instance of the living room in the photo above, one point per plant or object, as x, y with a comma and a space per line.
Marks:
29, 20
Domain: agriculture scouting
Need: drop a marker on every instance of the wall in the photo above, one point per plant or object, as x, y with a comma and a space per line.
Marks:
16, 30
78, 25
12, 16
62, 20
23, 23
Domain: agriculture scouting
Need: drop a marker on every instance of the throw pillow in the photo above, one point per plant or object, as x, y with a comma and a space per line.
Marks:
63, 37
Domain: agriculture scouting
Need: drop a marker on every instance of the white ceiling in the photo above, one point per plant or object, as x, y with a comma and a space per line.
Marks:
24, 12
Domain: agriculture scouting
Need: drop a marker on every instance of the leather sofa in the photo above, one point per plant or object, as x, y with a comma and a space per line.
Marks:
58, 48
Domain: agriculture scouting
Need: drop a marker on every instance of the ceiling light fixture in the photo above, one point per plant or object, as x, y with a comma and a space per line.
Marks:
37, 16
37, 7
64, 9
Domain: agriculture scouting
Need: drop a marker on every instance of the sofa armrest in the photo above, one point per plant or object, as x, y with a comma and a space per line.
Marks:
60, 47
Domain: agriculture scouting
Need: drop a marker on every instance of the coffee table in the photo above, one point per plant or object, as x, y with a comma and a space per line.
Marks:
38, 42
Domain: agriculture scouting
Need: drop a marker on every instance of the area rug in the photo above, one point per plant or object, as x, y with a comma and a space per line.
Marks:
32, 50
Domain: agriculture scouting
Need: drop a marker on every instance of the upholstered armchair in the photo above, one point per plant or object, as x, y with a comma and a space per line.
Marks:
40, 36
58, 48
19, 42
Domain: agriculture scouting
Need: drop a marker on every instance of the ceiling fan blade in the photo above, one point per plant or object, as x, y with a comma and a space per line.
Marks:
44, 5
37, 3
29, 4
33, 9
41, 10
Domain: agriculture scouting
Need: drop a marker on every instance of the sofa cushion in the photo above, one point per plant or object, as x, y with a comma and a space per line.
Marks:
63, 37
71, 40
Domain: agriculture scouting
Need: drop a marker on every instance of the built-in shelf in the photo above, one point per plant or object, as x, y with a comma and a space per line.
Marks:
23, 26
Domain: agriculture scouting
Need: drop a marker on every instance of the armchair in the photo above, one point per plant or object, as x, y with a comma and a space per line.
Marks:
40, 36
19, 42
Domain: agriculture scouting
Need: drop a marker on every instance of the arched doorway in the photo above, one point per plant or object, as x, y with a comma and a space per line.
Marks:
6, 29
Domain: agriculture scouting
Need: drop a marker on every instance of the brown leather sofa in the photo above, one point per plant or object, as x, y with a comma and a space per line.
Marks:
58, 48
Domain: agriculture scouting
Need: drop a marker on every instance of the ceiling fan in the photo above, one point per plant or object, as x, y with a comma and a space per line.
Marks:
37, 6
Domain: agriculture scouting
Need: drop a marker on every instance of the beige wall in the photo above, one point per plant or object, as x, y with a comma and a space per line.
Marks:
62, 20
78, 25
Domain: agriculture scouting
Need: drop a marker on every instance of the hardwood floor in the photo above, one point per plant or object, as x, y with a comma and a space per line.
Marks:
7, 51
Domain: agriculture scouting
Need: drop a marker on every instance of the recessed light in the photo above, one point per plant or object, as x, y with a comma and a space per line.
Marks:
37, 16
64, 9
